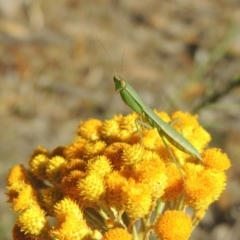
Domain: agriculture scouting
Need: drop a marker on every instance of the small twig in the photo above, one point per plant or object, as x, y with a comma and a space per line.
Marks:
217, 95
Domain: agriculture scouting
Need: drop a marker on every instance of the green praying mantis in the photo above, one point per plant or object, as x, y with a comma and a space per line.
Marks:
133, 100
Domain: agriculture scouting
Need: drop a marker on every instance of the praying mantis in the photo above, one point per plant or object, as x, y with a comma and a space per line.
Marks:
133, 100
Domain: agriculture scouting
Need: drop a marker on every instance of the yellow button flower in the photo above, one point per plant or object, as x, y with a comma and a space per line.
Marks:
117, 233
173, 225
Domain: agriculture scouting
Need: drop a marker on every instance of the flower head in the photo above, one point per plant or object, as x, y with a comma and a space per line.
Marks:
71, 224
173, 225
215, 159
90, 130
112, 180
136, 199
203, 186
117, 233
32, 221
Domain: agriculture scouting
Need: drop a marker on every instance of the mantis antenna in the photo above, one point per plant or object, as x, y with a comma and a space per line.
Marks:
107, 54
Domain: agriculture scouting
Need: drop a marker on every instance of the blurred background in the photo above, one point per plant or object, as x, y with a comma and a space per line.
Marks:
177, 54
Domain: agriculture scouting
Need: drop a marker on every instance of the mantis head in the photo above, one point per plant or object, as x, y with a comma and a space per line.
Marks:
119, 83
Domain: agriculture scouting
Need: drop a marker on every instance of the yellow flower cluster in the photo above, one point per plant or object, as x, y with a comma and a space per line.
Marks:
114, 183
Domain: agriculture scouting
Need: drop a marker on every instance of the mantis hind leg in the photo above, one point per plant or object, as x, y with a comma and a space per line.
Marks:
171, 154
140, 122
